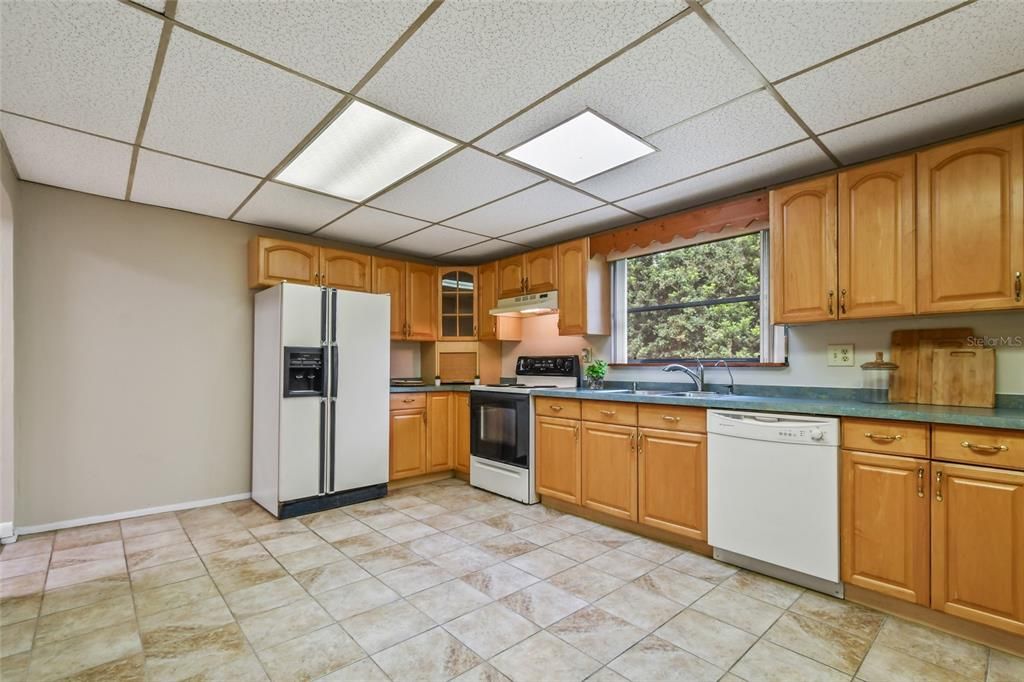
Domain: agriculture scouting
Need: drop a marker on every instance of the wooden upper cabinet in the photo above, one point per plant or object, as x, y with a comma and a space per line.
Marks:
458, 303
272, 261
461, 440
584, 291
345, 270
511, 277
421, 302
803, 251
884, 524
876, 240
541, 270
486, 298
673, 482
408, 443
978, 544
608, 480
970, 223
389, 278
558, 458
440, 436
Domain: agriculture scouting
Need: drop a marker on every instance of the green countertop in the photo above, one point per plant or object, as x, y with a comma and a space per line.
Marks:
431, 388
999, 417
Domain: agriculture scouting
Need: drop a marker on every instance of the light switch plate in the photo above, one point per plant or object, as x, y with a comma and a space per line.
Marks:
840, 355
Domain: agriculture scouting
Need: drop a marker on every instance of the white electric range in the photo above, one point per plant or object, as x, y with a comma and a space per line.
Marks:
501, 418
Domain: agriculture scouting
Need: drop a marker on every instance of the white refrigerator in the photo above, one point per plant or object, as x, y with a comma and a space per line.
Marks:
320, 398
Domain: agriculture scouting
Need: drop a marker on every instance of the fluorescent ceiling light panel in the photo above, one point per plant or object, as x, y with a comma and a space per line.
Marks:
361, 152
580, 148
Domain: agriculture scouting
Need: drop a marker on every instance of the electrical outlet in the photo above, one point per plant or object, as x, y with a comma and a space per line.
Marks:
840, 355
588, 355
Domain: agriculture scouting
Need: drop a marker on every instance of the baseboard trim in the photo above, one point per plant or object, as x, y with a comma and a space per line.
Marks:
119, 516
6, 531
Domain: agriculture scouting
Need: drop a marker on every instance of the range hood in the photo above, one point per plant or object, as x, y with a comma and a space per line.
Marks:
527, 305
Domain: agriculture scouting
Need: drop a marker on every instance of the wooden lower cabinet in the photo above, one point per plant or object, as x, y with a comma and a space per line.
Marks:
673, 482
557, 445
408, 443
440, 445
978, 544
884, 524
460, 422
608, 480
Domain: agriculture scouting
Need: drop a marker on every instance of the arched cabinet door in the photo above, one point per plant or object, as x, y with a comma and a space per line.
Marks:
458, 304
345, 270
803, 252
970, 227
274, 260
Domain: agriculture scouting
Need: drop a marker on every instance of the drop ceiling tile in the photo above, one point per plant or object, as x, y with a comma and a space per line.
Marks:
63, 158
527, 208
781, 165
290, 208
988, 105
432, 241
473, 64
367, 225
465, 180
588, 222
750, 125
335, 42
483, 252
640, 90
176, 183
216, 105
85, 65
972, 44
784, 37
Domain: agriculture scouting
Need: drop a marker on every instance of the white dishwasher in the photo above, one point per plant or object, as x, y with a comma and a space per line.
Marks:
773, 495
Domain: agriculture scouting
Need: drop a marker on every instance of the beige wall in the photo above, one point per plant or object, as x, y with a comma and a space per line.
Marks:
8, 198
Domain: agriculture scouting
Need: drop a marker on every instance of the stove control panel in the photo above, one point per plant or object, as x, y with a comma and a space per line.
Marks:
548, 365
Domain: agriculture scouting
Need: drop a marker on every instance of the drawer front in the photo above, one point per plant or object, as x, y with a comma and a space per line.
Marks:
888, 437
608, 412
408, 401
991, 447
671, 418
557, 407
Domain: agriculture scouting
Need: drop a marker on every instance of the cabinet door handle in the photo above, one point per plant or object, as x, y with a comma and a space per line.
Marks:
608, 413
920, 481
984, 449
1016, 286
883, 437
669, 418
641, 449
842, 301
831, 294
938, 486
556, 408
576, 432
408, 400
632, 442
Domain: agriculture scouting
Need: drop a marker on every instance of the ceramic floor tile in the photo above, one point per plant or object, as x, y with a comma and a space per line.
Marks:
491, 629
68, 538
355, 598
606, 674
613, 538
432, 545
311, 557
714, 641
657, 552
83, 594
509, 522
273, 627
254, 516
544, 656
700, 566
543, 603
838, 613
236, 556
655, 659
342, 531
766, 662
247, 574
84, 572
148, 525
465, 560
449, 600
577, 548
330, 517
265, 596
737, 609
475, 510
386, 625
27, 545
432, 655
365, 509
883, 664
542, 534
330, 576
219, 543
387, 559
540, 513
157, 556
485, 672
415, 577
542, 563
424, 511
586, 582
475, 532
402, 501
17, 609
507, 546
30, 564
70, 656
244, 667
679, 587
364, 670
138, 543
839, 649
621, 565
190, 656
176, 571
597, 633
15, 668
176, 594
641, 607
945, 650
770, 590
499, 580
447, 521
363, 543
405, 532
292, 543
161, 628
83, 554
63, 625
1003, 667
386, 519
123, 669
16, 638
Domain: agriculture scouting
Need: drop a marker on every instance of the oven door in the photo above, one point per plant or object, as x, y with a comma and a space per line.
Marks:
500, 425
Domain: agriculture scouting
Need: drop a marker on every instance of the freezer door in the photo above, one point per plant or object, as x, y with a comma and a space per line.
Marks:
360, 376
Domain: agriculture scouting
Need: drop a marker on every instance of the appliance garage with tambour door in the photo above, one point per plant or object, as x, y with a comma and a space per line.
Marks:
320, 398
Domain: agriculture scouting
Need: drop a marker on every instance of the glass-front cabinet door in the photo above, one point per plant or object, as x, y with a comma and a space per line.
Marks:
458, 303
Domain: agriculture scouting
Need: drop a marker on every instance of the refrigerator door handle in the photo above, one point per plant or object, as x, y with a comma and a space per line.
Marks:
334, 371
331, 441
323, 444
323, 317
334, 316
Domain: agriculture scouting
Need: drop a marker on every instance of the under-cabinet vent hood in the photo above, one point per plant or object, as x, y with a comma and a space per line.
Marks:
527, 305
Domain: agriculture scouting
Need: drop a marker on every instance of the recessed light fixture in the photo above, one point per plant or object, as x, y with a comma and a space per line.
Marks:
580, 148
361, 152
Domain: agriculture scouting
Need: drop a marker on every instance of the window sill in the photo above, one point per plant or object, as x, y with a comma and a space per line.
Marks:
636, 365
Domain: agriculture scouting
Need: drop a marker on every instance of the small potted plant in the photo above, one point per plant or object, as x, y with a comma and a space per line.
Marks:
595, 374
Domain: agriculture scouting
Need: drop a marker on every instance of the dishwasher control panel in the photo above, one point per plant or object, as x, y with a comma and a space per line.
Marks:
781, 428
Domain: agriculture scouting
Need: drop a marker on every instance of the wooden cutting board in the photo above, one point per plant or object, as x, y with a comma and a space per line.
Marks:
964, 377
912, 351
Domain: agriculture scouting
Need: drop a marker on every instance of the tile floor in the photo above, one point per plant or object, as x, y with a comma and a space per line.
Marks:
434, 582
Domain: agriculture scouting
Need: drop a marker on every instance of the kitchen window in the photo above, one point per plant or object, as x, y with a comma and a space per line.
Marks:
706, 301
